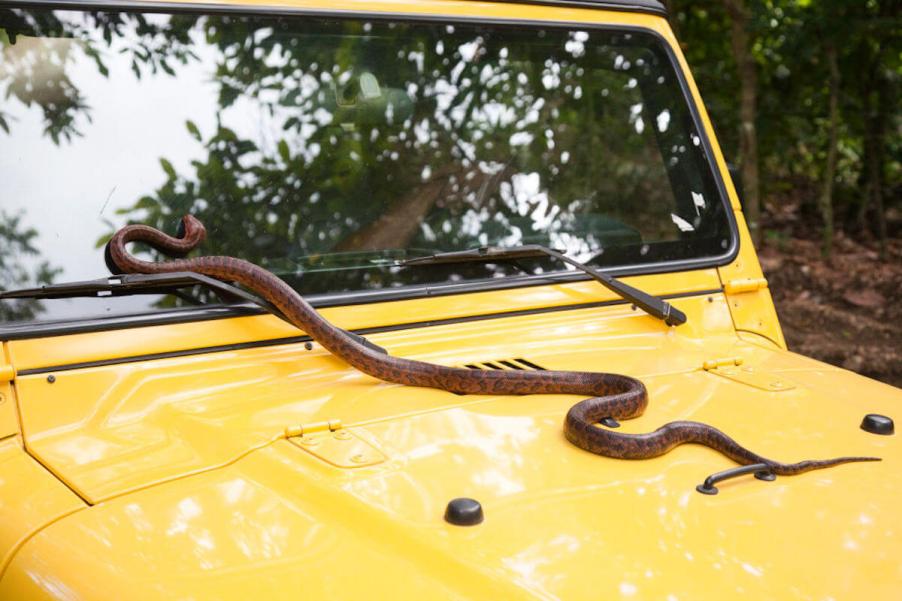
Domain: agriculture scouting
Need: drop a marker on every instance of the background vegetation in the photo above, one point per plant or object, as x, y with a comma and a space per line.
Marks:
805, 97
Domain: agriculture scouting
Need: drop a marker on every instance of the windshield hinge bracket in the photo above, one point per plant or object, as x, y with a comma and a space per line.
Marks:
741, 285
7, 372
733, 368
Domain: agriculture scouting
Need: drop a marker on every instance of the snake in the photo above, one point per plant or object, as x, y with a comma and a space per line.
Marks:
613, 396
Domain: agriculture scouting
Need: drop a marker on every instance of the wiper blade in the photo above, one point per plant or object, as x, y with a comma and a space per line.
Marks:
652, 305
139, 283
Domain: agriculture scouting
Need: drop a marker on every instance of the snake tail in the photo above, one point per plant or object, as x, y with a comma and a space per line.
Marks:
581, 429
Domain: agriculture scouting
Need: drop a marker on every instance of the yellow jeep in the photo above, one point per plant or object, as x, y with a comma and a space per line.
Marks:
491, 186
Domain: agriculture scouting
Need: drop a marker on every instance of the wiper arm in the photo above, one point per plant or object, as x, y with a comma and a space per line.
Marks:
138, 283
652, 305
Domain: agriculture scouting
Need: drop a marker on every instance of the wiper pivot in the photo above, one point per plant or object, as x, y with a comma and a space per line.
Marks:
652, 305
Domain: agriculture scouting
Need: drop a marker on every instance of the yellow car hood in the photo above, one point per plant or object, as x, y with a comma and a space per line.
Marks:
195, 486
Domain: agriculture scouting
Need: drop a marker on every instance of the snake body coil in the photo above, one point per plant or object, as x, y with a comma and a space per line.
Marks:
612, 395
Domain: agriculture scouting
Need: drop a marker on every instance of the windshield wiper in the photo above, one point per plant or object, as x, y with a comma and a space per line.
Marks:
139, 283
652, 305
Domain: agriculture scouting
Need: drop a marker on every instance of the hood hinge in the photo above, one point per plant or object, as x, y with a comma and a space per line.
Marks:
327, 426
332, 443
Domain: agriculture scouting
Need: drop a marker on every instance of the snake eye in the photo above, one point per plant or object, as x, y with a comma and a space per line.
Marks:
180, 229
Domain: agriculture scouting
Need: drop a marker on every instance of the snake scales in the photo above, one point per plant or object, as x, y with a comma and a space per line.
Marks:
612, 395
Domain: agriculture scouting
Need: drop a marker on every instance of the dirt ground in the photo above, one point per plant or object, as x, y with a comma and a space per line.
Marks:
845, 311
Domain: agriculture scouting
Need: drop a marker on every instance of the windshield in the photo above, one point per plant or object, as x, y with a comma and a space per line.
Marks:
327, 150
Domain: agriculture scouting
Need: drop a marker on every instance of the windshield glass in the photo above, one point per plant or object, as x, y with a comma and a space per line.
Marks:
326, 150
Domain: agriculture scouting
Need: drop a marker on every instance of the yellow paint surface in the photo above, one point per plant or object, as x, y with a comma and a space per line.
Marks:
262, 516
98, 346
559, 521
196, 494
30, 497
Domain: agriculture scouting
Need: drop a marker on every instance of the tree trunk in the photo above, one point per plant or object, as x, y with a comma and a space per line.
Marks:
748, 107
826, 199
877, 127
865, 183
400, 222
876, 98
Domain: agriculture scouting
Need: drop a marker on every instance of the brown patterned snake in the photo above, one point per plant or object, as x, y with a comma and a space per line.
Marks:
616, 396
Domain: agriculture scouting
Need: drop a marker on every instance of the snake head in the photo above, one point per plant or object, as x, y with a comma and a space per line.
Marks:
191, 230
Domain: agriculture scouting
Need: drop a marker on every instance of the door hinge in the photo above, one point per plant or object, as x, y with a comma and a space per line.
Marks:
744, 285
733, 368
334, 444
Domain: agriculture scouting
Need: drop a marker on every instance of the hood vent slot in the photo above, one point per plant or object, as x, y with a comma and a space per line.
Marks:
518, 364
508, 364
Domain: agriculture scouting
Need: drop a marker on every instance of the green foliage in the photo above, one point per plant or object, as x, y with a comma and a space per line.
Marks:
17, 249
42, 38
791, 38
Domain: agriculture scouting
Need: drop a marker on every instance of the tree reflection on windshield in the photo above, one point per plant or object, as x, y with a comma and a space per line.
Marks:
377, 140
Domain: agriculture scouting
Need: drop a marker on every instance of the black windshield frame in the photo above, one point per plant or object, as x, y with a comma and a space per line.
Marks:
418, 291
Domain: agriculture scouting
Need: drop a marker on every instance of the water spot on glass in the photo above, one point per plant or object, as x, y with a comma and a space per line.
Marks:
643, 250
663, 120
